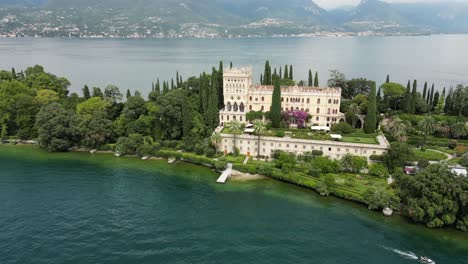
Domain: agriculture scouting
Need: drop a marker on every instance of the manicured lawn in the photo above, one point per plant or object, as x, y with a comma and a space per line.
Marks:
308, 134
429, 155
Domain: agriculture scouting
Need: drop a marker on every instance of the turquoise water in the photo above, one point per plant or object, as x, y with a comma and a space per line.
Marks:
134, 64
81, 208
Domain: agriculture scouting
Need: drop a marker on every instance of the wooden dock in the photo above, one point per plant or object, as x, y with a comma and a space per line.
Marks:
225, 175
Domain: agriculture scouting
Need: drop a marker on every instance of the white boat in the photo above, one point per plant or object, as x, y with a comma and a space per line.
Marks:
426, 260
171, 160
117, 155
93, 151
387, 211
145, 158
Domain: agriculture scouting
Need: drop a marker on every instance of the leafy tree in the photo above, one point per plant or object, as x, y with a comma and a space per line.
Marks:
56, 128
275, 110
97, 92
412, 109
260, 128
337, 80
95, 130
370, 123
235, 127
377, 199
388, 79
285, 161
431, 196
393, 92
378, 170
291, 75
93, 106
112, 94
267, 74
128, 94
427, 126
397, 156
86, 93
130, 144
406, 101
356, 87
342, 128
325, 164
4, 132
45, 97
215, 140
37, 79
353, 164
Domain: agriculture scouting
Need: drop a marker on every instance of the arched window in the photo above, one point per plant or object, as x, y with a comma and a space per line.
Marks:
250, 107
282, 99
318, 101
235, 107
229, 106
329, 111
302, 100
263, 108
250, 98
297, 108
241, 107
287, 99
329, 101
308, 100
256, 99
318, 110
263, 99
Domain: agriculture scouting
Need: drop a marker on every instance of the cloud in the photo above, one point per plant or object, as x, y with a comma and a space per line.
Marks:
329, 4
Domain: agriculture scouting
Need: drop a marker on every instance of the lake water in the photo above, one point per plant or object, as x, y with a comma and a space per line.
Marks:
135, 64
81, 208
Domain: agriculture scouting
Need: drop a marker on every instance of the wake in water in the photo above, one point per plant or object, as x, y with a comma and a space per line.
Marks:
404, 254
410, 255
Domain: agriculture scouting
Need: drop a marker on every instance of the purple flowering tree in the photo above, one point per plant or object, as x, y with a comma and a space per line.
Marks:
296, 117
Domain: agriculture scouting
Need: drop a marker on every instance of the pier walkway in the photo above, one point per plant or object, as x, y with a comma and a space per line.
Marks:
226, 174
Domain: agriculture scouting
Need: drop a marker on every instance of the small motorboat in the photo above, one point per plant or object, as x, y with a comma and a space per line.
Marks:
426, 260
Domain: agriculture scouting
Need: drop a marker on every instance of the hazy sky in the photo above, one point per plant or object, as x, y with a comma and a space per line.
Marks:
335, 3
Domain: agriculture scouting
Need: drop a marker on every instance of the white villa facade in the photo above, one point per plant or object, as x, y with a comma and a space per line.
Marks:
323, 104
242, 96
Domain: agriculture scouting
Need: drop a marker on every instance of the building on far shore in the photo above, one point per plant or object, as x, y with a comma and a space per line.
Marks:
241, 96
323, 104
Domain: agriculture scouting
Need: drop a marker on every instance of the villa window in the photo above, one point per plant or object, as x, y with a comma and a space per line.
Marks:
242, 107
329, 149
227, 118
329, 111
318, 110
317, 118
229, 106
263, 99
329, 101
318, 101
234, 117
282, 99
308, 100
287, 99
235, 107
250, 98
241, 118
263, 107
256, 99
250, 108
302, 100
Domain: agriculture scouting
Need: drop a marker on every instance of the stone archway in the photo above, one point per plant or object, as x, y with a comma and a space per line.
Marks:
359, 124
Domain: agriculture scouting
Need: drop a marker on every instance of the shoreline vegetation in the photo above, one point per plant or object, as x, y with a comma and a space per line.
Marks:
180, 118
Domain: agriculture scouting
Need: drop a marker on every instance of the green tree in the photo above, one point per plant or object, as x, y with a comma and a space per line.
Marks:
45, 97
393, 94
427, 126
291, 74
215, 140
97, 92
220, 86
425, 91
235, 127
86, 93
286, 72
413, 100
316, 80
370, 124
56, 128
92, 106
397, 156
388, 79
260, 128
112, 94
406, 101
431, 196
128, 94
275, 110
311, 80
267, 74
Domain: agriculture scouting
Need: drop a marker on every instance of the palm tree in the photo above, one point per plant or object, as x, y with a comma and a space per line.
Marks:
427, 126
235, 127
260, 128
215, 140
398, 129
444, 129
459, 130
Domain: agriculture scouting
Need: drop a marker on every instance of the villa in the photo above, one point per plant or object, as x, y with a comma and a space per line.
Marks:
241, 96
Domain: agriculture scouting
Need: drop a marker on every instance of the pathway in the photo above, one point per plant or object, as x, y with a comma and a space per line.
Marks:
226, 174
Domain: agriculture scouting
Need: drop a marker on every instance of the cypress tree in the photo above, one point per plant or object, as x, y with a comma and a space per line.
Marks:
267, 74
158, 86
187, 122
388, 79
406, 106
311, 82
414, 97
280, 72
275, 75
448, 102
13, 73
425, 91
152, 86
86, 93
212, 111
431, 97
172, 84
261, 79
137, 93
291, 76
128, 94
230, 65
275, 109
165, 87
436, 99
220, 86
286, 72
181, 81
370, 124
316, 80
177, 79
379, 101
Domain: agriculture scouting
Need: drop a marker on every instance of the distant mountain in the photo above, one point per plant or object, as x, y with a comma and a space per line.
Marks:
225, 17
